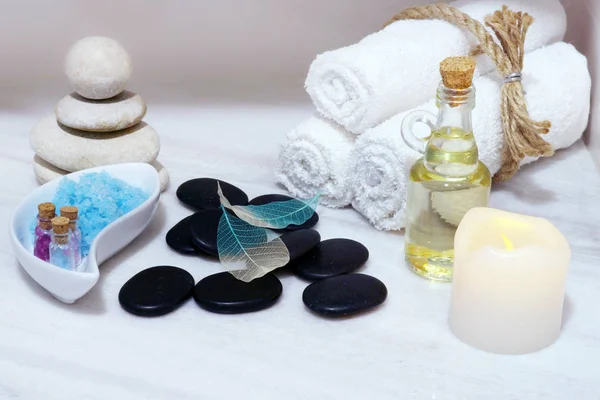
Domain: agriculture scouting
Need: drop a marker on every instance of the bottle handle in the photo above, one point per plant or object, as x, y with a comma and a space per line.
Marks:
408, 135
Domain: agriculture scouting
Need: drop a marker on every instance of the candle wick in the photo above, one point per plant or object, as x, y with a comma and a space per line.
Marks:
507, 242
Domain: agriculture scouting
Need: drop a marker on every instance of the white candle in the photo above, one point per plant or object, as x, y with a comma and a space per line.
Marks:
509, 281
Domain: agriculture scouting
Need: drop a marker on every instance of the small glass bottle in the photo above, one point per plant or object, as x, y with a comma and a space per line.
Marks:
72, 213
449, 179
61, 253
43, 229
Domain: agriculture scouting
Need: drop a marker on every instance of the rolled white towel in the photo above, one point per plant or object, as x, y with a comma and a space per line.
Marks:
557, 84
314, 160
397, 68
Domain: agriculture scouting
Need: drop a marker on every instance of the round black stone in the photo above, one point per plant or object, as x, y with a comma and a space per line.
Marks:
201, 193
203, 230
223, 294
270, 198
300, 242
156, 291
344, 295
330, 258
179, 237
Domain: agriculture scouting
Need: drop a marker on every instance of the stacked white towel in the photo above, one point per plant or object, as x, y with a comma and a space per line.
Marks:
397, 68
557, 85
315, 160
389, 72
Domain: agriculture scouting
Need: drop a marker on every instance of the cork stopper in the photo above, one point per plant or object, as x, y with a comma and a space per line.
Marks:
69, 212
60, 226
47, 210
457, 72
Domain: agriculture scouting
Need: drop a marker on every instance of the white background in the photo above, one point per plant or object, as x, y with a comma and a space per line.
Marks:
583, 22
202, 53
209, 50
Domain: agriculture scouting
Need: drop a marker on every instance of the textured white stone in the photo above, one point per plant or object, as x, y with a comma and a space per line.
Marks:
72, 149
163, 174
98, 67
122, 111
46, 172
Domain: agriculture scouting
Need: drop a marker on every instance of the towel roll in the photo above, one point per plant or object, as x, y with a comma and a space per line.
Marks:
314, 160
557, 85
397, 68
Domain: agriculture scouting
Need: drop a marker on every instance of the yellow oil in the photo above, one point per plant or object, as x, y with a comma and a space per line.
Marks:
443, 186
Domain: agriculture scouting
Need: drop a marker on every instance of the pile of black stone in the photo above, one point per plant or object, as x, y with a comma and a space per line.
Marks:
335, 290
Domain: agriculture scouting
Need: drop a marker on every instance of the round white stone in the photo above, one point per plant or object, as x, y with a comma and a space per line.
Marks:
122, 111
98, 67
163, 174
73, 150
46, 172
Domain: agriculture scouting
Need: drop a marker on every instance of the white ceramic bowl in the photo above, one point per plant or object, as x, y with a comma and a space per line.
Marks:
65, 285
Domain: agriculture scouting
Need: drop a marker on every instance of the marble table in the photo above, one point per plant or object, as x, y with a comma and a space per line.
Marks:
404, 350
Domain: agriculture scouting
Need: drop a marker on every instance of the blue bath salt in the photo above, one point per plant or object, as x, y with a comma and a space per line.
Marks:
101, 199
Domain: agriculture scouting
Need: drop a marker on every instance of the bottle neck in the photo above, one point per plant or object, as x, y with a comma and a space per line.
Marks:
452, 150
60, 239
455, 107
44, 223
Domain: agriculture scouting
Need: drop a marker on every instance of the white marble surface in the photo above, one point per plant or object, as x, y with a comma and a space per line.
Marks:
404, 350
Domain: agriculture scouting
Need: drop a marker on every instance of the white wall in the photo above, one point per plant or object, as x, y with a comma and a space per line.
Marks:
192, 50
248, 49
584, 32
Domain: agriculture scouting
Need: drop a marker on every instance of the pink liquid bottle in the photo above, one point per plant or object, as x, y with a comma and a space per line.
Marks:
71, 213
41, 243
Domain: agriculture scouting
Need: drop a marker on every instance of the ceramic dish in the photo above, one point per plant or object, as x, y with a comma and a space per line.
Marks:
68, 286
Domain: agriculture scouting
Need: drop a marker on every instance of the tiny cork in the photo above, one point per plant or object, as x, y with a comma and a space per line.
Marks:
69, 212
60, 225
457, 72
46, 210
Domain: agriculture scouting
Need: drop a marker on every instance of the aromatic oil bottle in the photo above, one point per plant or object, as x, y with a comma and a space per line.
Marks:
449, 179
41, 242
61, 252
74, 231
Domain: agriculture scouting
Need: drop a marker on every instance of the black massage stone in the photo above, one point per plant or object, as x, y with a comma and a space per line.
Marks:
203, 230
179, 237
222, 293
300, 242
156, 291
330, 258
201, 194
344, 295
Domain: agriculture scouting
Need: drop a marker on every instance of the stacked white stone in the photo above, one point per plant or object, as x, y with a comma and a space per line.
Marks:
100, 123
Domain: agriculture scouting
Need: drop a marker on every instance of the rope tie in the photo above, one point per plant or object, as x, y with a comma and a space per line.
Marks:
513, 77
521, 133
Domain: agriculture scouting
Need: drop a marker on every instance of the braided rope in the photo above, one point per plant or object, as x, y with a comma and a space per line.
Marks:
521, 133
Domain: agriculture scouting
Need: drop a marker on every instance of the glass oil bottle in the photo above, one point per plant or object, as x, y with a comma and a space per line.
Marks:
61, 252
42, 232
74, 231
449, 179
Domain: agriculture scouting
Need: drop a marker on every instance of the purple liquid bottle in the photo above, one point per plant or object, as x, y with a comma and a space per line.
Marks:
71, 213
42, 239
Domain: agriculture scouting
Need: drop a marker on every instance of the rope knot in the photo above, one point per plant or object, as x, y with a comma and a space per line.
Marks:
521, 133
